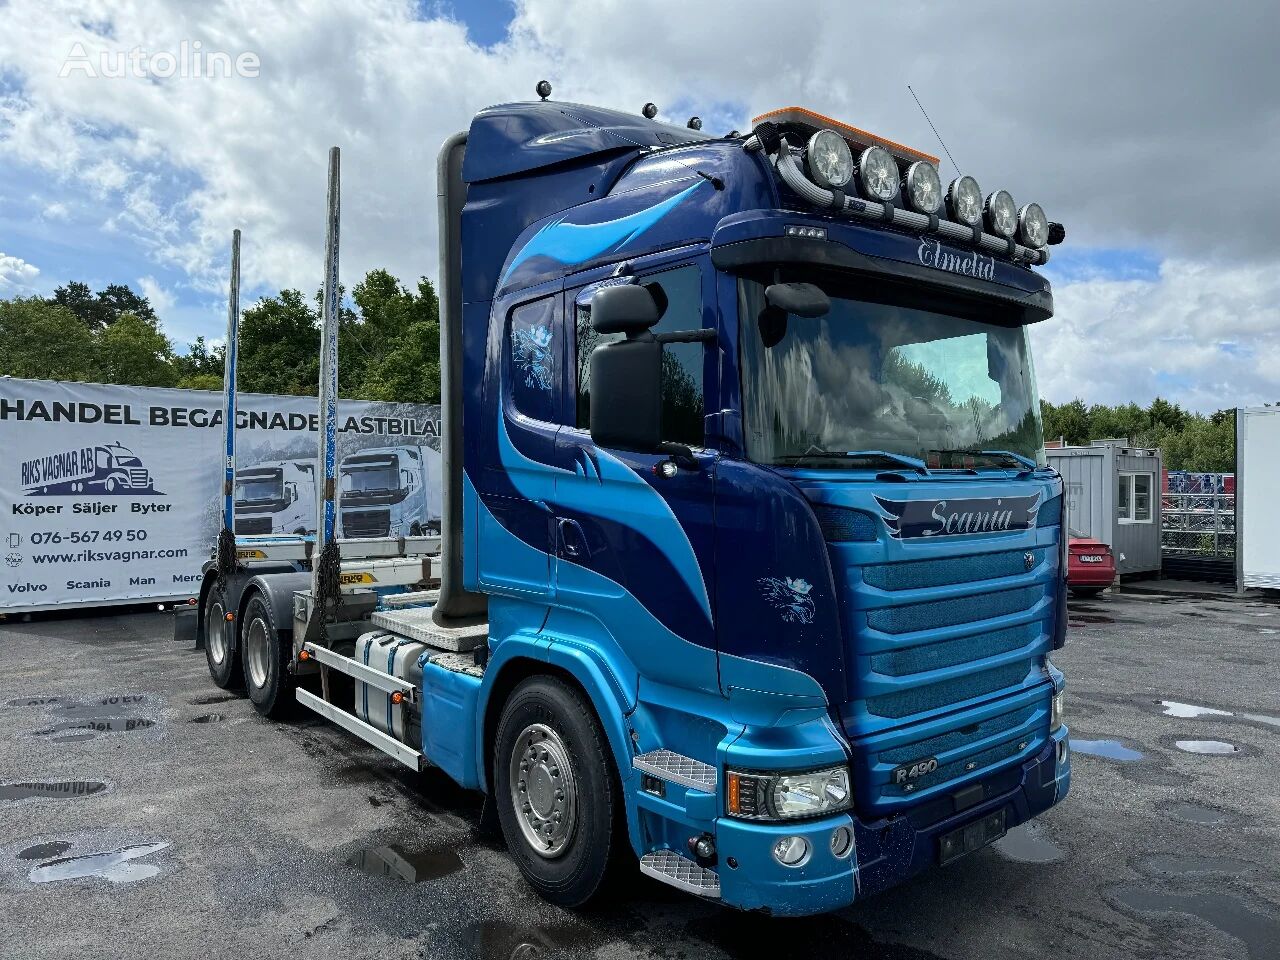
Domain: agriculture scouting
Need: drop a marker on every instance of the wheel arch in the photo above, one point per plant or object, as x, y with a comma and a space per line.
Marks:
277, 591
582, 672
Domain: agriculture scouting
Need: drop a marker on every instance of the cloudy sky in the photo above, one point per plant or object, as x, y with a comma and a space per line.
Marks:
1149, 129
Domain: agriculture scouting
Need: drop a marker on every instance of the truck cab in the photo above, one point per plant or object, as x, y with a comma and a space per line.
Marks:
390, 492
276, 497
769, 460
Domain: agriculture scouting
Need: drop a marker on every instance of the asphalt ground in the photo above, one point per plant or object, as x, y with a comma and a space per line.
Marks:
224, 835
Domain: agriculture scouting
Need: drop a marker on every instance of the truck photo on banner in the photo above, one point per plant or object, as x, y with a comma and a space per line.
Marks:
112, 494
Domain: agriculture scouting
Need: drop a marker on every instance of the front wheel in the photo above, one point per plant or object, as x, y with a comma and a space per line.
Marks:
220, 648
558, 800
267, 654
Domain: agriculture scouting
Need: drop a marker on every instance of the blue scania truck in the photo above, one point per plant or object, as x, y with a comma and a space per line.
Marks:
750, 566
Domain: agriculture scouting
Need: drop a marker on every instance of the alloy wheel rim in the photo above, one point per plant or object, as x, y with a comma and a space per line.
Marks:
256, 645
544, 791
215, 624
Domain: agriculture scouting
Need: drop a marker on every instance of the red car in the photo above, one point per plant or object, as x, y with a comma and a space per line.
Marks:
1091, 566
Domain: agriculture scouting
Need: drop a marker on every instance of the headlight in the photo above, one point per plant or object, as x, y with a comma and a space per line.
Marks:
964, 201
923, 188
829, 160
788, 796
878, 174
1055, 711
1033, 226
1002, 214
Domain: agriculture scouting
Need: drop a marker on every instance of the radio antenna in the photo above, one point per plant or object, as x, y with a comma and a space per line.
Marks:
935, 130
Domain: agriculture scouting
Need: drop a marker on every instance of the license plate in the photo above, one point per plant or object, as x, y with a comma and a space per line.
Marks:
975, 836
1090, 558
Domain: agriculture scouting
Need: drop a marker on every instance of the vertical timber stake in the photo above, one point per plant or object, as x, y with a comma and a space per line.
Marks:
226, 558
324, 577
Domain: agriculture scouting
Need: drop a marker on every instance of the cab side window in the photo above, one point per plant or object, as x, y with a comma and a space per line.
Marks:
679, 296
534, 358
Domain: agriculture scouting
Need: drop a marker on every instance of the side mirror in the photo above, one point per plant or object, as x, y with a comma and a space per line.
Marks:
625, 309
800, 299
406, 478
626, 394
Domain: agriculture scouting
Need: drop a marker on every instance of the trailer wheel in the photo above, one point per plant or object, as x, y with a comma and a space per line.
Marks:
557, 798
220, 648
266, 654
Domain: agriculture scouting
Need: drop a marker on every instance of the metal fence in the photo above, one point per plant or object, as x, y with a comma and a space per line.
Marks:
1198, 524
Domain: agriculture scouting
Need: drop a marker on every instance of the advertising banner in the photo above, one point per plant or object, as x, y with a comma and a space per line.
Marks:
112, 494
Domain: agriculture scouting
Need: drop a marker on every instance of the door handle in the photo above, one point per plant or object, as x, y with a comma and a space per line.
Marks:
572, 544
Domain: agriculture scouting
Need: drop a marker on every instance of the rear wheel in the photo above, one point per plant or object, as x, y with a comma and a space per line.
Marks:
267, 653
554, 788
220, 648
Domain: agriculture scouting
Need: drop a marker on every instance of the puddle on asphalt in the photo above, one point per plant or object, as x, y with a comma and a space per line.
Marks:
1172, 708
1111, 749
60, 788
1177, 865
498, 940
1026, 843
207, 718
1217, 748
1205, 816
84, 728
33, 702
1259, 933
394, 861
117, 866
43, 851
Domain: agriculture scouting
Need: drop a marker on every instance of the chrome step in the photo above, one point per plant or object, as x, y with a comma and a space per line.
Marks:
677, 768
669, 867
415, 598
416, 623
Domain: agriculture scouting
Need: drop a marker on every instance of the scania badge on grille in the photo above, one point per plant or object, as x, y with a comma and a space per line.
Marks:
1028, 559
913, 770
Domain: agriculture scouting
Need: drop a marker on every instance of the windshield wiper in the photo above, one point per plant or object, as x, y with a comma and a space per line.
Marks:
1007, 455
884, 456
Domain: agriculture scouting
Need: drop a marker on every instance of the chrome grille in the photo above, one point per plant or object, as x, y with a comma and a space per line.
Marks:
253, 525
366, 523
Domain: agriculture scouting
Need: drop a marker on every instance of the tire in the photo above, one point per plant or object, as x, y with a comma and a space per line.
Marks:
221, 650
572, 774
266, 653
1086, 591
415, 529
110, 485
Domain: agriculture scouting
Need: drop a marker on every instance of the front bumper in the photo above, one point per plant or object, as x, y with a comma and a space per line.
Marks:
887, 851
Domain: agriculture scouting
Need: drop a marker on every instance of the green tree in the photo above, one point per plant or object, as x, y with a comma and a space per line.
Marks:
106, 306
43, 340
394, 346
279, 341
200, 361
133, 350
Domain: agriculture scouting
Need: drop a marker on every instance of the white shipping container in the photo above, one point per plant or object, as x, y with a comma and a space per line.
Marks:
1257, 519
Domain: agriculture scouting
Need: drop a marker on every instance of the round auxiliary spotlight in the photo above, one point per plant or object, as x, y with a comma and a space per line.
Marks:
543, 89
878, 174
695, 123
964, 201
650, 111
1001, 213
829, 160
922, 187
1033, 226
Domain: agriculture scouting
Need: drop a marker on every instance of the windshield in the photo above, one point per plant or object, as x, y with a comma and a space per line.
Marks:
260, 486
124, 457
889, 370
371, 477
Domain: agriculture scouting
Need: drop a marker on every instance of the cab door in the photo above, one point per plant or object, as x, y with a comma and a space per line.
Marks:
631, 542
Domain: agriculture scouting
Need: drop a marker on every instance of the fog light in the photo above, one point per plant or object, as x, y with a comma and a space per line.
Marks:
841, 842
703, 846
791, 851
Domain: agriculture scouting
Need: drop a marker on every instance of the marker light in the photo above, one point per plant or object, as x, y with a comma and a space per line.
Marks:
878, 174
1001, 213
922, 187
829, 160
964, 201
1033, 226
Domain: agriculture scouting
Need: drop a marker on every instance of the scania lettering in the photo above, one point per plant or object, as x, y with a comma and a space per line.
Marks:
750, 566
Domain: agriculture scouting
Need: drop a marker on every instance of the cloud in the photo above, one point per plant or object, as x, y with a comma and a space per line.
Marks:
16, 276
1112, 116
1205, 335
162, 301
